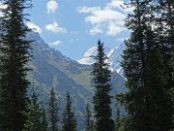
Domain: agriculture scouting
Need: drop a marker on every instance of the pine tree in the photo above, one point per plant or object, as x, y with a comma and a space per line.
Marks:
44, 122
102, 99
53, 111
147, 99
118, 118
34, 120
88, 119
69, 122
15, 55
166, 9
166, 33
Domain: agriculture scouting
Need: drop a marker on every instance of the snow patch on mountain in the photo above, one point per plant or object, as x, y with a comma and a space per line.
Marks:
88, 57
114, 57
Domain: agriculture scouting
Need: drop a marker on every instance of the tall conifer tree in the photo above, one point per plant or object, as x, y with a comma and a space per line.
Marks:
53, 111
166, 34
102, 99
166, 10
147, 99
34, 115
15, 55
69, 121
44, 122
89, 125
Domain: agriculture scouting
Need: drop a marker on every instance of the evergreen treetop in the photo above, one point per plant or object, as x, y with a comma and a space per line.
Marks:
102, 99
69, 122
53, 111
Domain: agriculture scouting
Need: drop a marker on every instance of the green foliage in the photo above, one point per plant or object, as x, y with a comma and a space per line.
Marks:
166, 35
121, 124
44, 121
53, 111
171, 94
35, 119
69, 122
89, 123
146, 99
102, 99
15, 55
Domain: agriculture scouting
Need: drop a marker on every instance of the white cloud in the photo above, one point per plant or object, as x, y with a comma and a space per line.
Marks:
86, 9
52, 6
115, 4
34, 27
55, 28
109, 19
95, 30
119, 4
114, 29
105, 15
55, 44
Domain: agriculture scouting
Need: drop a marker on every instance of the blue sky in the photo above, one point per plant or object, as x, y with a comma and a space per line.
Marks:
73, 26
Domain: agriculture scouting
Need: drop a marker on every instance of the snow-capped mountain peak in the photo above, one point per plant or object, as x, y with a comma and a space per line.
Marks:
114, 57
88, 57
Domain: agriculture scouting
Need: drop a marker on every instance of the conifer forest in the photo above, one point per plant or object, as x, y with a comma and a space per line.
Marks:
127, 88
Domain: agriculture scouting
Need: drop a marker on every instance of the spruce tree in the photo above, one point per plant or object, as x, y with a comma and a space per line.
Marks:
146, 99
166, 9
166, 33
88, 119
34, 120
117, 120
102, 99
15, 55
53, 111
44, 122
69, 122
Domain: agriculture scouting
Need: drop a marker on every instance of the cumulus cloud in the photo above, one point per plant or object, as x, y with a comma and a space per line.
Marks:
115, 4
95, 30
108, 19
119, 4
55, 28
114, 29
52, 6
34, 27
106, 15
86, 9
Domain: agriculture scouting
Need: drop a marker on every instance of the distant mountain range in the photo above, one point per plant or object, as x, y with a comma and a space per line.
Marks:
114, 57
52, 69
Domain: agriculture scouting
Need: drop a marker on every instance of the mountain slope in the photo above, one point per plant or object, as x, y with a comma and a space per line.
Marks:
51, 68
